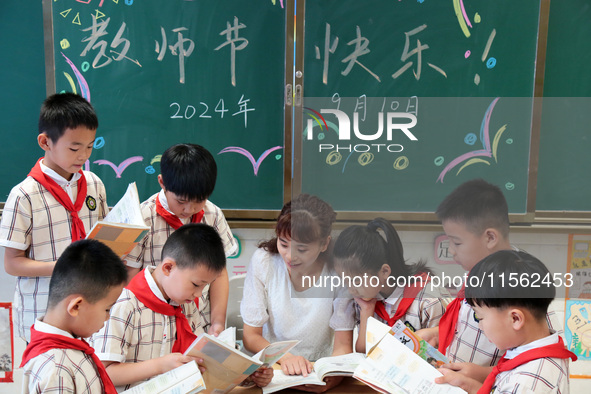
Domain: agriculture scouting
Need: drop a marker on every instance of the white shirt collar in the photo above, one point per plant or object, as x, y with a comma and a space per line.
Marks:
153, 286
164, 203
60, 180
549, 340
41, 326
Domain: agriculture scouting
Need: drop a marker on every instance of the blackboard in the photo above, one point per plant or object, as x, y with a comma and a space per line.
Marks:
22, 78
565, 143
163, 72
465, 69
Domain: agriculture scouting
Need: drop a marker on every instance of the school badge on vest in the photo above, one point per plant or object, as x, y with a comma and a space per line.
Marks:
91, 203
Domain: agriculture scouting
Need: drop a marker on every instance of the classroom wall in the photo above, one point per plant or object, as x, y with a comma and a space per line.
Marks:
551, 248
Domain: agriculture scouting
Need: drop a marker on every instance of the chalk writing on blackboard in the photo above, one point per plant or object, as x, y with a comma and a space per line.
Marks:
178, 49
232, 38
255, 164
476, 156
122, 166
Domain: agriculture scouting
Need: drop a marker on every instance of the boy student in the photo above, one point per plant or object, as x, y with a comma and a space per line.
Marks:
155, 318
188, 176
475, 217
86, 281
513, 317
54, 206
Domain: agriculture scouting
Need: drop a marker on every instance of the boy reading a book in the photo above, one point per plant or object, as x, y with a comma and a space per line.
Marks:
512, 314
155, 318
55, 205
188, 176
475, 217
86, 281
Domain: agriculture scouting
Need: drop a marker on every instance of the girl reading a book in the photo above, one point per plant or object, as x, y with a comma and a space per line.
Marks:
392, 290
280, 301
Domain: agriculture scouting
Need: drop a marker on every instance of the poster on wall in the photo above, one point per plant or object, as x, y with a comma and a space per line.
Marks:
577, 310
6, 345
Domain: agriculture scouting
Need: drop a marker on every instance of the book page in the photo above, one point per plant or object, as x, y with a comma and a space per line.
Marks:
225, 366
273, 352
418, 345
127, 210
374, 333
228, 336
184, 379
394, 368
343, 365
282, 381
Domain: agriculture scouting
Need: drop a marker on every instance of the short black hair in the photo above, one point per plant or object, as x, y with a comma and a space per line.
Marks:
87, 267
65, 111
509, 278
189, 171
195, 244
478, 205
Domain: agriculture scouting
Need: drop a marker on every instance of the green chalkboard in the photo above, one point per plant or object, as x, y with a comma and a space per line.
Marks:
163, 72
465, 69
565, 143
22, 78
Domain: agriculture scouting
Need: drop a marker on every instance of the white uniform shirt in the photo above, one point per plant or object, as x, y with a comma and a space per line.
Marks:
270, 301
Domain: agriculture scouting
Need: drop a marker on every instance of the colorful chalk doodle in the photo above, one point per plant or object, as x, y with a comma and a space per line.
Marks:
489, 150
122, 166
255, 164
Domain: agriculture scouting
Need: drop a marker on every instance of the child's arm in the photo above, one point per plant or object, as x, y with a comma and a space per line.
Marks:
129, 373
457, 379
218, 298
367, 309
291, 365
343, 343
16, 263
470, 370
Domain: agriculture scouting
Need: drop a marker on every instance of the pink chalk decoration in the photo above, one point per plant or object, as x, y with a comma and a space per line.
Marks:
121, 167
255, 164
467, 54
441, 251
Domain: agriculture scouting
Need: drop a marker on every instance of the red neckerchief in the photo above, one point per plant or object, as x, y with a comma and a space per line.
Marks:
42, 342
62, 197
409, 294
449, 320
556, 350
172, 219
184, 336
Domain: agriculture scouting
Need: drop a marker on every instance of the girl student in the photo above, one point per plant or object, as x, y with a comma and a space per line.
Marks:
389, 294
279, 304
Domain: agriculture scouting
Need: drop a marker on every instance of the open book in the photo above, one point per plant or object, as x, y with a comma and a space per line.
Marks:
227, 367
376, 330
392, 367
185, 379
343, 365
124, 225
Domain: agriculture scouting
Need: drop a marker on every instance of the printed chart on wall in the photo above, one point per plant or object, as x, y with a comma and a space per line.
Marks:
6, 345
405, 100
577, 328
164, 72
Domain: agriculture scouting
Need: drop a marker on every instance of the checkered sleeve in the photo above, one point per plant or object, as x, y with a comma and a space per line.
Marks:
431, 306
17, 220
215, 218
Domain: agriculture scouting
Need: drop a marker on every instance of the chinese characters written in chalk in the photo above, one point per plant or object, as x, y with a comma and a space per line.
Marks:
106, 49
